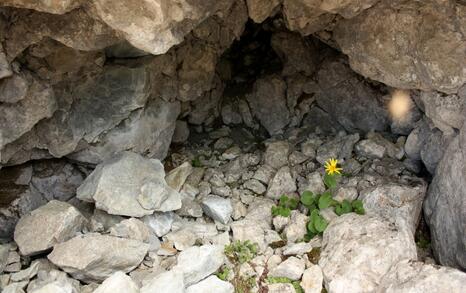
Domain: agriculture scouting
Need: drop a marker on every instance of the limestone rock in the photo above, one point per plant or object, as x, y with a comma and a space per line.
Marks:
370, 149
118, 282
96, 257
353, 103
312, 280
445, 207
129, 185
268, 103
259, 10
176, 177
446, 111
397, 202
159, 223
211, 284
19, 118
359, 250
218, 208
208, 258
132, 229
416, 277
281, 288
291, 268
276, 155
171, 281
282, 183
296, 228
410, 59
57, 7
47, 226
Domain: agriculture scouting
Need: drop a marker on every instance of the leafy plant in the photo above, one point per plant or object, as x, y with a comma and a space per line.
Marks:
284, 207
330, 180
196, 162
241, 252
344, 207
282, 280
224, 273
358, 207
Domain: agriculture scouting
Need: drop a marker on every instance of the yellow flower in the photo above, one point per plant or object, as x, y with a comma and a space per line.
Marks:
331, 167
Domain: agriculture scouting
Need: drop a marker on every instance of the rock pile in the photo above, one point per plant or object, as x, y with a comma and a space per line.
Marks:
151, 231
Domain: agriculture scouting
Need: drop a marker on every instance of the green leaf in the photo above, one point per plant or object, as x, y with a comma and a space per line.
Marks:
325, 200
343, 208
330, 181
293, 203
320, 224
283, 200
310, 227
358, 207
307, 198
312, 207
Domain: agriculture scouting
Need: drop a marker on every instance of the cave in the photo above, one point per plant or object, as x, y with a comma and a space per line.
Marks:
232, 146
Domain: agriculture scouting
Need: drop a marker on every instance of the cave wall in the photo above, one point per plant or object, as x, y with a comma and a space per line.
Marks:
87, 79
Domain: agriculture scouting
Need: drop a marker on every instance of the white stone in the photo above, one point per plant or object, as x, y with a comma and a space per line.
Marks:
46, 226
291, 268
159, 223
296, 229
312, 280
129, 185
211, 284
118, 282
177, 177
297, 248
282, 183
96, 257
276, 154
171, 281
217, 208
359, 250
198, 262
370, 149
131, 228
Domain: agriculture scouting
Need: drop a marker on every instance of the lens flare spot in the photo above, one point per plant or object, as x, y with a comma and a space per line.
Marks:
400, 105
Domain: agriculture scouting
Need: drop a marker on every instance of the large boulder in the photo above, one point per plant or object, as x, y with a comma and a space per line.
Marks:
385, 43
445, 205
400, 202
129, 185
46, 226
359, 250
417, 277
93, 257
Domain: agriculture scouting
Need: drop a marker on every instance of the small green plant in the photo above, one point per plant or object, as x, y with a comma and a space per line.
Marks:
284, 207
281, 280
241, 252
196, 162
223, 273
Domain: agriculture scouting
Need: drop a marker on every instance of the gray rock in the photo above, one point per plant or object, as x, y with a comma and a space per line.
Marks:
177, 177
370, 149
209, 258
417, 277
434, 148
360, 250
276, 154
118, 282
181, 133
171, 281
427, 70
444, 207
147, 192
314, 183
281, 183
296, 228
297, 248
400, 203
268, 103
96, 257
4, 252
218, 208
159, 223
353, 103
416, 140
259, 10
211, 284
312, 279
341, 147
264, 174
47, 226
132, 229
445, 111
5, 70
291, 268
255, 186
13, 89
